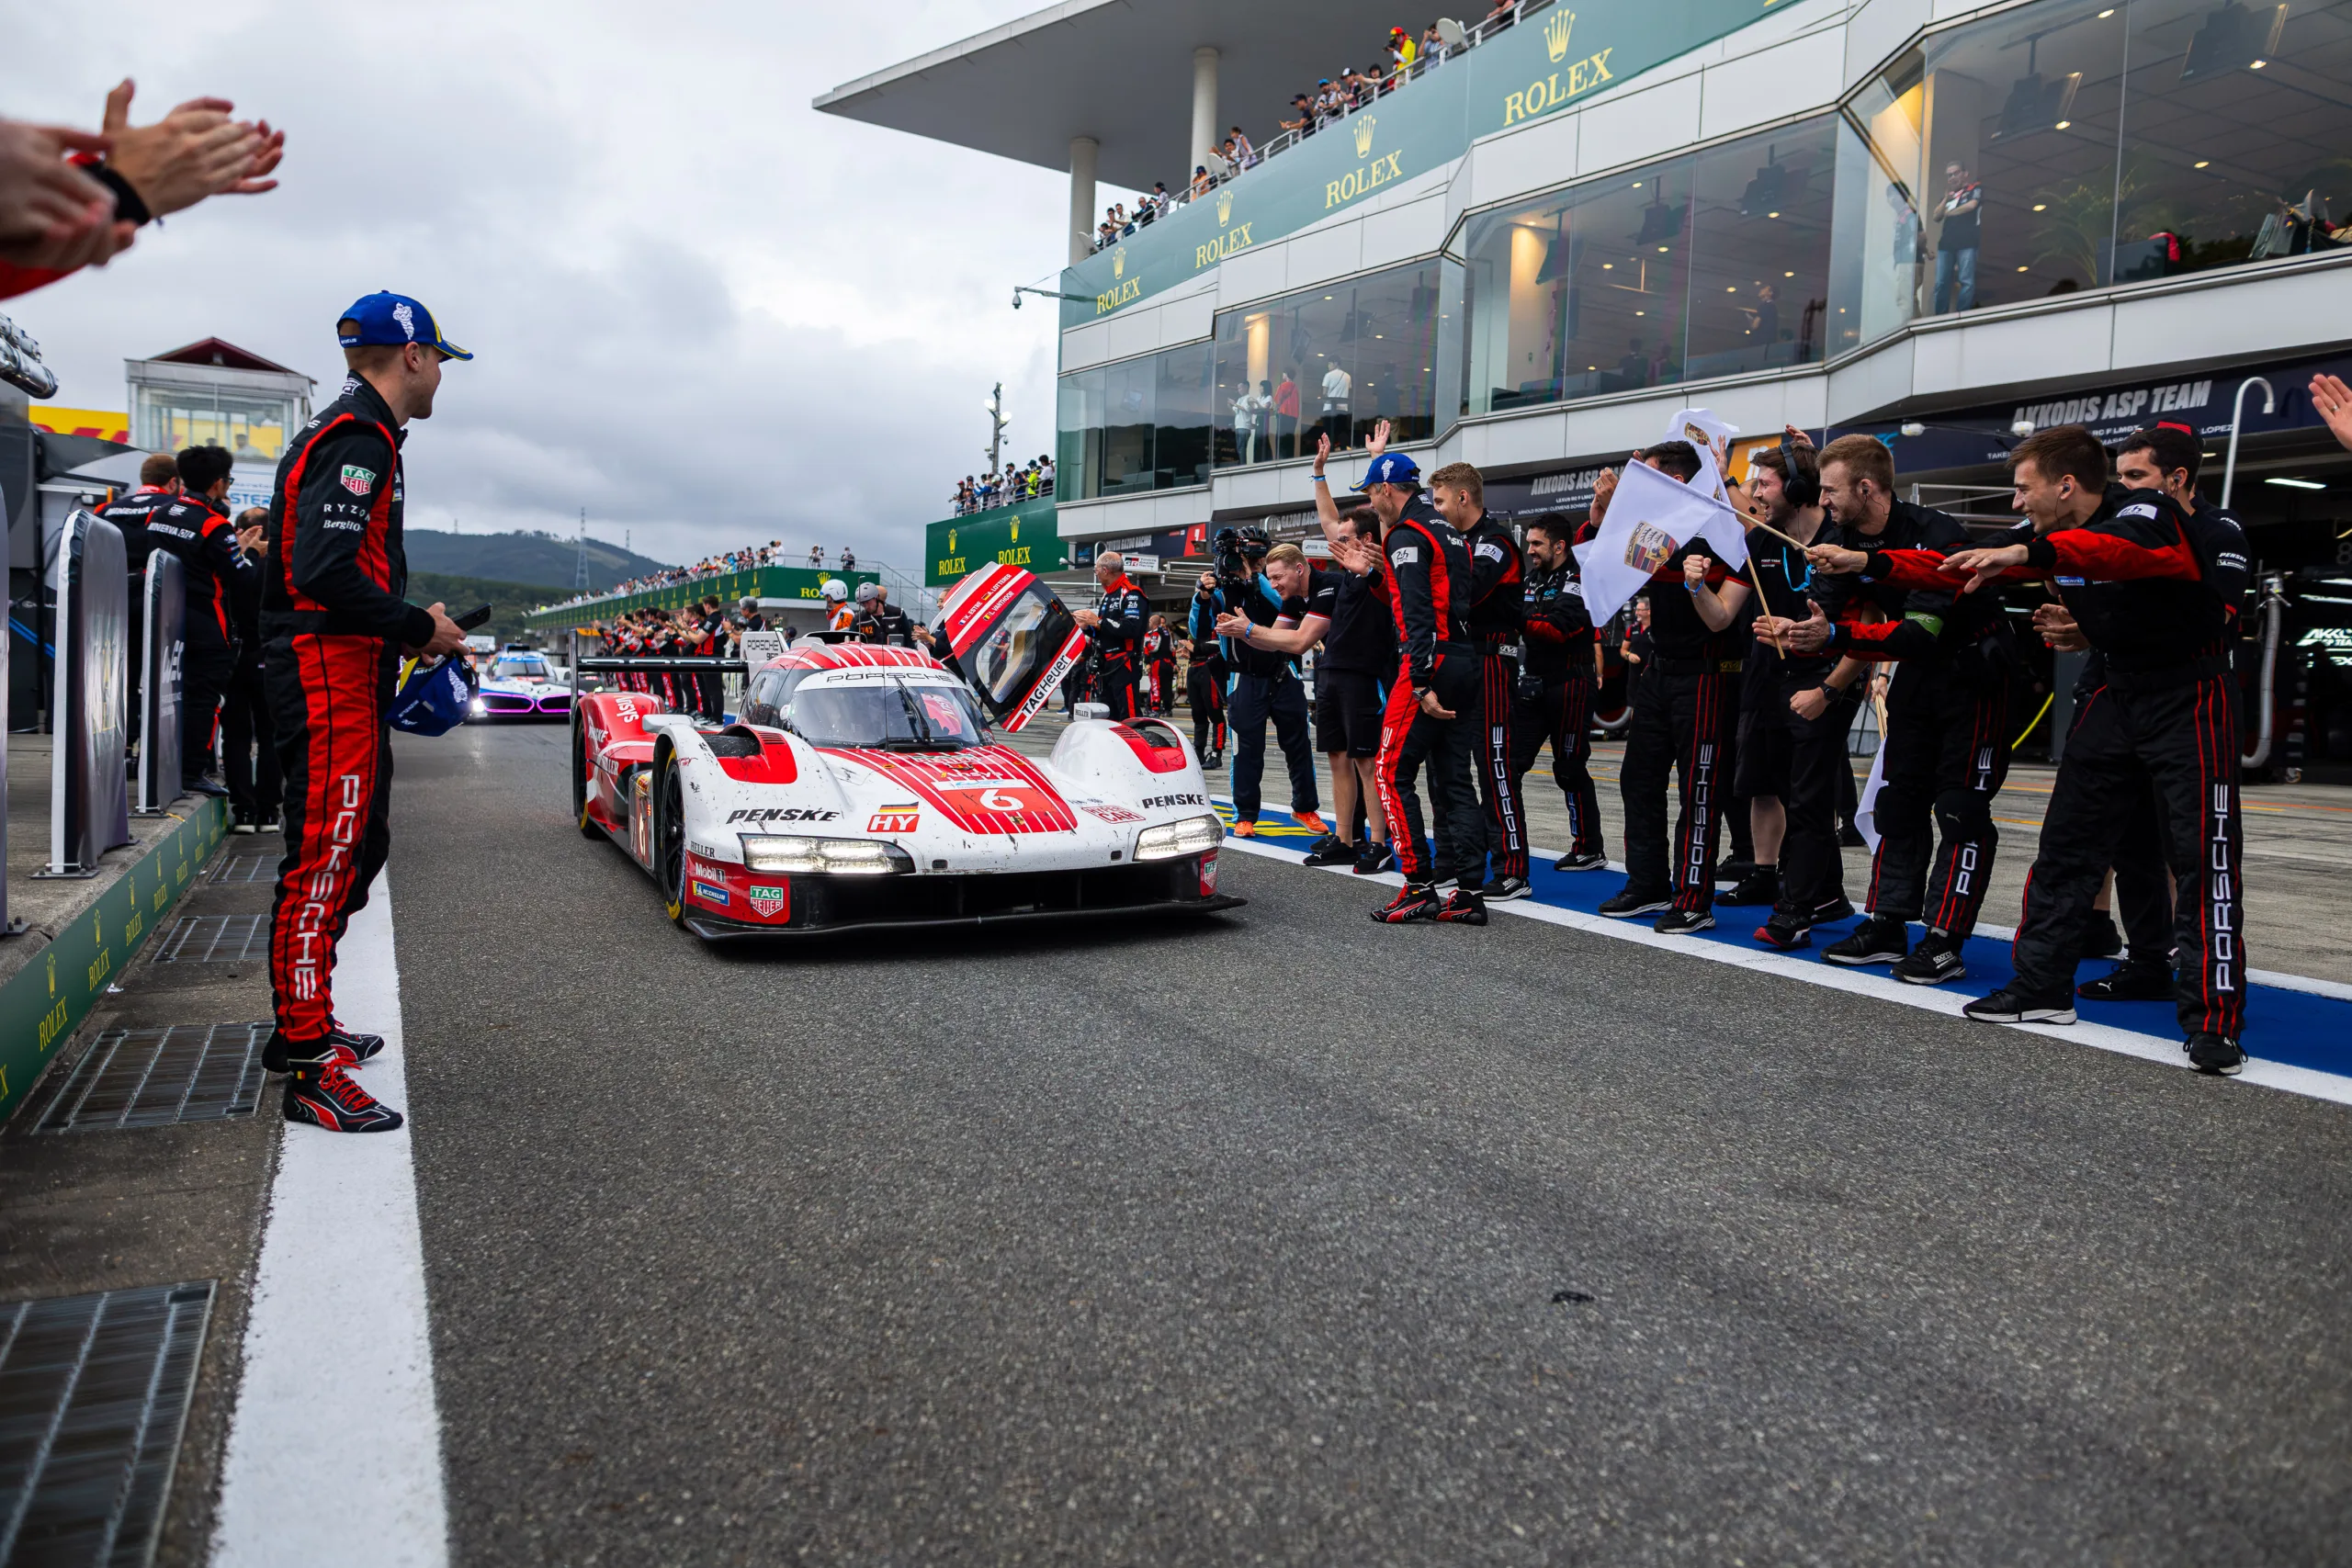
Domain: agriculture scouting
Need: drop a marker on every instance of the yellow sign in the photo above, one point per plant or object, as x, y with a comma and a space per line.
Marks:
951, 541
101, 422
1016, 532
1131, 289
1545, 94
1119, 261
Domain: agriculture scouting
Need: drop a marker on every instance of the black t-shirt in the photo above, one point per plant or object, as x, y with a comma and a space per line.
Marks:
1787, 581
1675, 630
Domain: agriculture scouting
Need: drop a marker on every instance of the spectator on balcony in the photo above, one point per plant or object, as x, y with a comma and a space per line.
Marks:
1330, 103
1285, 428
1301, 112
1402, 49
1245, 154
1201, 181
817, 556
1044, 473
1433, 44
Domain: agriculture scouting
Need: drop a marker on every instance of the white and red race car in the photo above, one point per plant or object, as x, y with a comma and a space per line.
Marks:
862, 786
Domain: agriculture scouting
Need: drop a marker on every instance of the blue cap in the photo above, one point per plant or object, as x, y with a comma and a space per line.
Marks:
433, 700
395, 319
1391, 468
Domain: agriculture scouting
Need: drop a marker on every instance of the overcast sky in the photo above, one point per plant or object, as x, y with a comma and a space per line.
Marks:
701, 310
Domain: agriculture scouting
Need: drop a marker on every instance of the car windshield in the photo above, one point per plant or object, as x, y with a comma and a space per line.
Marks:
891, 713
513, 669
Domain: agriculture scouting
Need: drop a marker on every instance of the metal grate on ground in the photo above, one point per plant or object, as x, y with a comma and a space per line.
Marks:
94, 1397
154, 1078
247, 868
214, 939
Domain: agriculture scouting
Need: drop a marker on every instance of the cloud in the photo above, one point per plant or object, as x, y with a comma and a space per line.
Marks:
703, 312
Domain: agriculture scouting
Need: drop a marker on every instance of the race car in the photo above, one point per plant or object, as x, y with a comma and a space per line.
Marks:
863, 786
519, 685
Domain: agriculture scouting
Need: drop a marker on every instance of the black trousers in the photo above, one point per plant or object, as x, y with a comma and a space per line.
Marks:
1947, 753
1498, 782
1206, 699
1563, 717
205, 675
249, 746
1114, 687
1682, 723
1813, 870
1410, 738
2174, 736
1254, 700
2144, 899
713, 695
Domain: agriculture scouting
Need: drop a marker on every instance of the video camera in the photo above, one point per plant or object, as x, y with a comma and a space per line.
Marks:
1239, 552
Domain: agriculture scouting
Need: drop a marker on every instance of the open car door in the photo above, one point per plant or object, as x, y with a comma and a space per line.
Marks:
1010, 639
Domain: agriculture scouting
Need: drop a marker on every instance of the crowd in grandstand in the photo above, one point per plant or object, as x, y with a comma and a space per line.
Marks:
1333, 98
750, 557
1030, 481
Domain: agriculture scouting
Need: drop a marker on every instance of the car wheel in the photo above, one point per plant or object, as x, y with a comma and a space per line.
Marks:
670, 839
588, 828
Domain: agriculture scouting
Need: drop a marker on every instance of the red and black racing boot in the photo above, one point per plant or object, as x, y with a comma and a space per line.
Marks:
330, 1097
364, 1048
1463, 907
1414, 901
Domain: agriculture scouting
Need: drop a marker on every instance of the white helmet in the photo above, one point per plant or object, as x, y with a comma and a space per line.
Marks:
835, 590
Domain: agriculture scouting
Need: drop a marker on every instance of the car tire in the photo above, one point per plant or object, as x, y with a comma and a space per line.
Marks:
669, 837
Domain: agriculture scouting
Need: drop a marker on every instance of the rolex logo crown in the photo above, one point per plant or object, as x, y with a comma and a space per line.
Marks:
1364, 124
1016, 527
1119, 261
951, 541
1223, 207
1557, 33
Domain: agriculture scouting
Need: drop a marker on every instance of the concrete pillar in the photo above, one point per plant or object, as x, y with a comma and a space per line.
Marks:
1204, 136
1083, 150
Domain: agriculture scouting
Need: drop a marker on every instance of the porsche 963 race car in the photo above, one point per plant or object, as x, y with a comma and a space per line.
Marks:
864, 786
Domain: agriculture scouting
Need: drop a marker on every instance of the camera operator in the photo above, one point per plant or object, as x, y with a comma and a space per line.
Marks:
1946, 741
1205, 692
1434, 701
1115, 629
2156, 592
1552, 698
1235, 602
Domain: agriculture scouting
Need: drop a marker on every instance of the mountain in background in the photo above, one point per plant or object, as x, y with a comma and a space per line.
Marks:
542, 561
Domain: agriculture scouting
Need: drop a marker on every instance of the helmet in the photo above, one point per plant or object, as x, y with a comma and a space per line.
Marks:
834, 589
867, 593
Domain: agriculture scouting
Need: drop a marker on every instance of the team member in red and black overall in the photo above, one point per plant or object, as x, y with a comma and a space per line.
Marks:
1163, 669
333, 610
194, 526
1553, 698
1115, 627
2156, 592
1149, 652
1684, 708
1204, 691
1433, 704
1459, 494
159, 480
1946, 714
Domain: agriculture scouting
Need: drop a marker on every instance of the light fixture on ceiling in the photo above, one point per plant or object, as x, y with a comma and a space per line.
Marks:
1608, 266
2202, 162
2297, 484
1913, 427
2020, 269
2233, 36
2035, 102
2042, 206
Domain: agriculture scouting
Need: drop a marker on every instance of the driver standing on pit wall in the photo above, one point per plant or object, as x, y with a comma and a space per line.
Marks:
1435, 702
1115, 629
1265, 683
333, 610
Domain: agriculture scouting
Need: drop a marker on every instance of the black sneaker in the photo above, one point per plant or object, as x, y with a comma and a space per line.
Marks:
1933, 962
204, 786
243, 825
1214, 760
1414, 901
1876, 941
2215, 1053
362, 1048
2100, 939
1332, 850
330, 1097
1782, 932
2013, 1004
1833, 910
1683, 923
2130, 981
1761, 886
1590, 859
1628, 904
273, 823
1503, 889
1463, 907
1374, 859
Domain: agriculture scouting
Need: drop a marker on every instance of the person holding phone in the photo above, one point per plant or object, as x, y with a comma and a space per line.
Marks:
336, 619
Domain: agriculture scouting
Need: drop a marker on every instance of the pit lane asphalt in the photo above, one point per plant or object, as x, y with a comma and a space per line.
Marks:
1269, 1239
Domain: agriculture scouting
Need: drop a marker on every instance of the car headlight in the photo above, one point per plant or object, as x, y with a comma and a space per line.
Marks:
795, 855
1171, 841
476, 707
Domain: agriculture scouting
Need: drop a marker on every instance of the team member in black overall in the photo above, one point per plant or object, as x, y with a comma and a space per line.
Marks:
194, 526
1552, 700
1946, 714
1684, 708
1204, 692
1115, 627
248, 741
1458, 493
158, 483
2157, 590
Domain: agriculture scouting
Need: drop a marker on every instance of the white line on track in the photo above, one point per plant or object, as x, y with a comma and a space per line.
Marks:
334, 1450
2160, 1049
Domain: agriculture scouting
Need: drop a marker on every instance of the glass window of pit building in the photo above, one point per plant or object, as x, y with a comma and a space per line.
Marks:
1337, 358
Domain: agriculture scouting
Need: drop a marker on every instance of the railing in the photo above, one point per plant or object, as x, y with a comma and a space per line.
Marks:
1472, 36
995, 498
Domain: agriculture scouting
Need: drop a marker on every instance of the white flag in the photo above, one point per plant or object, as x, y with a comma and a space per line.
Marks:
1651, 516
1702, 429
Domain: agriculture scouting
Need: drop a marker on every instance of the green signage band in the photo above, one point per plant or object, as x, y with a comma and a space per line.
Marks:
759, 583
1553, 59
1025, 535
44, 1002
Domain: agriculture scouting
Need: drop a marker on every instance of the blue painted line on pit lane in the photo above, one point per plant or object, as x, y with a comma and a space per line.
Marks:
2306, 1029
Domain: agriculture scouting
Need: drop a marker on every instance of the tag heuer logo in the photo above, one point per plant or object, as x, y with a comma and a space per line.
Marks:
356, 479
766, 901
